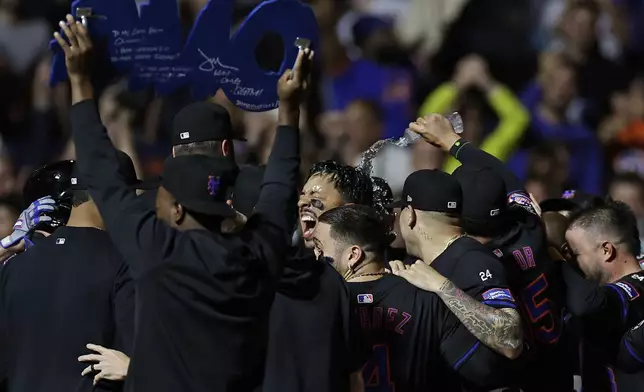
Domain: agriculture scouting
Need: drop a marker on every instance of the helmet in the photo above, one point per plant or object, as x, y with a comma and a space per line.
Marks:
51, 180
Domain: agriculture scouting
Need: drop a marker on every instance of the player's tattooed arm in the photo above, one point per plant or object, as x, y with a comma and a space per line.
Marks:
499, 329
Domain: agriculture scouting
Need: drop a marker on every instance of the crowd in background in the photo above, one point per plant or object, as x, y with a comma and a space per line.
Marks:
553, 87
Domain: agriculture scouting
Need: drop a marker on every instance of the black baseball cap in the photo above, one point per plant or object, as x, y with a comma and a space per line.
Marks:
247, 188
570, 199
484, 193
126, 170
202, 122
431, 190
201, 183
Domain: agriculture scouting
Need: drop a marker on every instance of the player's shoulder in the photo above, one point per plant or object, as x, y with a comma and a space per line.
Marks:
630, 286
474, 255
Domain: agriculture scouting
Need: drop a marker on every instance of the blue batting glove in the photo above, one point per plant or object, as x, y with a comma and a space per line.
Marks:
28, 220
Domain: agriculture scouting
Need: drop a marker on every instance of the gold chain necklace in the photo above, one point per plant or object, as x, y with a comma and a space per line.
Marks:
366, 274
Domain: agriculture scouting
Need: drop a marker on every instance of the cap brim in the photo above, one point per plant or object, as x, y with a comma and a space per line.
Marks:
143, 185
210, 208
397, 204
180, 142
147, 185
550, 205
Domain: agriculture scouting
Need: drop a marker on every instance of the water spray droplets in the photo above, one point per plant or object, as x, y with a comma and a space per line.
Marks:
410, 137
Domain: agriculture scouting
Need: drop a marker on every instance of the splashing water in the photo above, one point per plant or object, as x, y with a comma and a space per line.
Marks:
366, 163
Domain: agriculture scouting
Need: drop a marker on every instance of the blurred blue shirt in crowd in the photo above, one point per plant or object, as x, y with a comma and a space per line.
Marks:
390, 87
586, 158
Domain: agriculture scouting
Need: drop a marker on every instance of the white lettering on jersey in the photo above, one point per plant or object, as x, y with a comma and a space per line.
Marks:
485, 275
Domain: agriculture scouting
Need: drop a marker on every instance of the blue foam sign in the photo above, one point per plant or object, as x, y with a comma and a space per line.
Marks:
147, 45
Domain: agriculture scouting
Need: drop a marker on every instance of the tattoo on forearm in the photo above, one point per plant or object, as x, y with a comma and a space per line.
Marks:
499, 329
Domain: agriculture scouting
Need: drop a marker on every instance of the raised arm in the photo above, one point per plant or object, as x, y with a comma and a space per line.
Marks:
276, 208
277, 200
438, 131
134, 229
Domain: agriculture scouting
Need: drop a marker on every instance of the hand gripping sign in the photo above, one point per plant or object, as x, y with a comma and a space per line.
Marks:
146, 43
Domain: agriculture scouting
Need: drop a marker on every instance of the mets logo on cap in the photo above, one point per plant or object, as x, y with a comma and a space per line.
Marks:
569, 194
214, 183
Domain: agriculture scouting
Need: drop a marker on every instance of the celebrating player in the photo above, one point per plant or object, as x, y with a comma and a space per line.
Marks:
418, 344
498, 212
604, 242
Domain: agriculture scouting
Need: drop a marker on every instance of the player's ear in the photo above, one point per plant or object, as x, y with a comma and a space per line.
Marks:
226, 147
609, 251
355, 256
411, 217
177, 213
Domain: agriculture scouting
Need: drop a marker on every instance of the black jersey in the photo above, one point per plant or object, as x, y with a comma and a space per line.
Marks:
630, 357
536, 279
607, 313
418, 344
533, 274
471, 266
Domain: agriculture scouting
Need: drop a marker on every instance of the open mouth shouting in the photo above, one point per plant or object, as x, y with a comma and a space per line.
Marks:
308, 220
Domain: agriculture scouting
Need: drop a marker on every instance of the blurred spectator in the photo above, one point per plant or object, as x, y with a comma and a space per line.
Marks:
540, 188
549, 161
548, 102
425, 23
9, 211
33, 36
610, 28
625, 125
7, 176
629, 189
579, 41
513, 118
378, 78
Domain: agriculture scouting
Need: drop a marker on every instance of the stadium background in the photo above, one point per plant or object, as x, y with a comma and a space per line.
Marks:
553, 87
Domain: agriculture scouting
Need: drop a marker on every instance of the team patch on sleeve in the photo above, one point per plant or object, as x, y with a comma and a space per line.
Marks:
628, 289
498, 295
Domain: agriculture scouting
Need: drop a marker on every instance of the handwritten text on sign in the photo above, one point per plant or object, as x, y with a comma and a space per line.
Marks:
146, 44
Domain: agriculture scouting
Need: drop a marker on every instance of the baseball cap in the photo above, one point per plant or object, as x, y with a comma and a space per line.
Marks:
247, 188
570, 199
201, 183
126, 170
484, 193
431, 190
201, 122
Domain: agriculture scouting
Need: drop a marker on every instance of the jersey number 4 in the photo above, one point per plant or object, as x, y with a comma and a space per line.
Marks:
376, 372
546, 323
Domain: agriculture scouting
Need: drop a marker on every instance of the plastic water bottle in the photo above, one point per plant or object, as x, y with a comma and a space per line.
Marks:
411, 137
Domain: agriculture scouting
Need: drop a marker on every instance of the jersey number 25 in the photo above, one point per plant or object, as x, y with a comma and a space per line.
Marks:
546, 323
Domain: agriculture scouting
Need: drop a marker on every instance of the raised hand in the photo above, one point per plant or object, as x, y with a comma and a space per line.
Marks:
436, 130
77, 48
28, 220
294, 84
